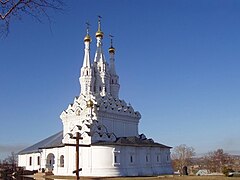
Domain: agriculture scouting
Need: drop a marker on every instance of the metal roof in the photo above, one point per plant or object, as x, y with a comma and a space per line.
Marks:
50, 142
56, 141
132, 141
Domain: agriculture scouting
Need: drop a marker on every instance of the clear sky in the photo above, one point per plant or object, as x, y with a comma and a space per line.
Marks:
178, 62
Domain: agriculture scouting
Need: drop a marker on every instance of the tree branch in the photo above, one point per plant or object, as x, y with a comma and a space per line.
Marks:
4, 2
12, 9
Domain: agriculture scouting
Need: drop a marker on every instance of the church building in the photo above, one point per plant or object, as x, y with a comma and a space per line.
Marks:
101, 126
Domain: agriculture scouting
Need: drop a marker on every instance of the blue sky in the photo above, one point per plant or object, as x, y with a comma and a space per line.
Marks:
178, 62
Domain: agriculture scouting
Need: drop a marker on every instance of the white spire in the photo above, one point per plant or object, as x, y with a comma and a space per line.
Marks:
87, 40
114, 85
101, 67
111, 51
86, 78
99, 36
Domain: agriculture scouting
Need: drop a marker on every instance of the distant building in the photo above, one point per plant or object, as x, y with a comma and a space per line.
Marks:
110, 144
202, 172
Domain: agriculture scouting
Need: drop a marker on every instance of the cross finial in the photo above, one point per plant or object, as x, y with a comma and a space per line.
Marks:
111, 37
88, 25
99, 23
111, 50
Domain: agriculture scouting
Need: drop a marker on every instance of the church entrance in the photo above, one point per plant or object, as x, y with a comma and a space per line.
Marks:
50, 162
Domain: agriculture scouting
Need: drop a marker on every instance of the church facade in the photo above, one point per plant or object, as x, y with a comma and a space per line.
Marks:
110, 144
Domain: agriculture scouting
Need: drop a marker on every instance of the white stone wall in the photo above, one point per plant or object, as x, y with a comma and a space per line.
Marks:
104, 161
131, 161
24, 161
69, 159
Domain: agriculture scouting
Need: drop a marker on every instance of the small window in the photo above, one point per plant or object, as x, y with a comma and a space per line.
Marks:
38, 160
116, 157
157, 158
100, 88
61, 161
146, 158
30, 161
131, 159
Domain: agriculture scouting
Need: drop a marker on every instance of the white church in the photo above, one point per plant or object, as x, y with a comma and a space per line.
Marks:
110, 144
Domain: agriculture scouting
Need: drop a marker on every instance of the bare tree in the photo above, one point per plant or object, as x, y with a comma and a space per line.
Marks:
16, 9
11, 160
216, 161
181, 156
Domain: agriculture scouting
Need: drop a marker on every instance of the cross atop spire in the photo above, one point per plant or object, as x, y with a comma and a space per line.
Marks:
99, 23
88, 25
111, 38
111, 49
99, 33
87, 37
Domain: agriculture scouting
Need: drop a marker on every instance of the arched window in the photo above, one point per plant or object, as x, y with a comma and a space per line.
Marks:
61, 161
30, 161
50, 161
38, 160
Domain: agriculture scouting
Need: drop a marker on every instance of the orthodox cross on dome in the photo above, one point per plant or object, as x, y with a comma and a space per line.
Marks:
88, 26
99, 23
99, 36
99, 33
111, 49
111, 38
87, 37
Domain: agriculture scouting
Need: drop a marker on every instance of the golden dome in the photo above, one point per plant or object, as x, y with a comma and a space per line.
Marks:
87, 38
99, 34
89, 103
111, 50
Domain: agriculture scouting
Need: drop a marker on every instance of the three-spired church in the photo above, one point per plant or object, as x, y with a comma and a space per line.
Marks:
109, 144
